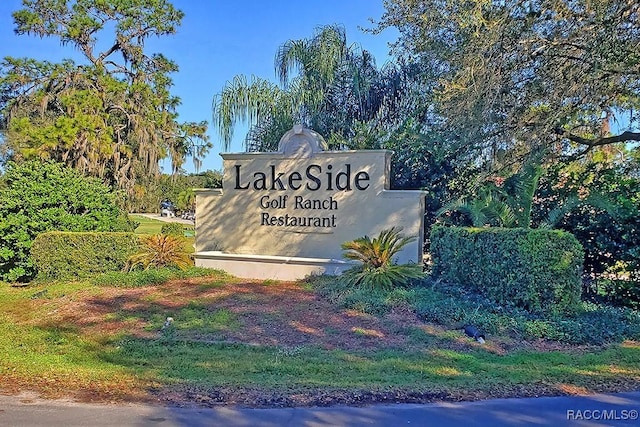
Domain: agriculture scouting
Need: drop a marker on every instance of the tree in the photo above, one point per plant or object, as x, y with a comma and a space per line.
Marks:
520, 75
325, 83
498, 202
147, 195
113, 116
38, 197
598, 201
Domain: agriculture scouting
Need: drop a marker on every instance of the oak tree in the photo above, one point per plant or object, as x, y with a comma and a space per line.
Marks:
515, 76
110, 114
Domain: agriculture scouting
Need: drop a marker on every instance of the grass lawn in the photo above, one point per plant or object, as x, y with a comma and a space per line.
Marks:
270, 344
147, 225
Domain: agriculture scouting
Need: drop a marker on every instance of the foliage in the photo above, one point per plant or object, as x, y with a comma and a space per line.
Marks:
337, 91
343, 295
423, 159
209, 179
452, 306
538, 270
47, 196
69, 255
516, 76
172, 228
499, 202
186, 200
149, 191
161, 250
111, 117
599, 202
377, 269
156, 276
620, 292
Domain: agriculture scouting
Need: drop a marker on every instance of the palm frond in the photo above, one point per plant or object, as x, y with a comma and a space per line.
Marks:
246, 102
160, 250
376, 255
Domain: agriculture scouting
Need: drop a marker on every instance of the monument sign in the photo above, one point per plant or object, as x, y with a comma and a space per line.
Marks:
284, 215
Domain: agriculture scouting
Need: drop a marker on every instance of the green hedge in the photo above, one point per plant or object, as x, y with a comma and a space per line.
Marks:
538, 270
65, 255
172, 229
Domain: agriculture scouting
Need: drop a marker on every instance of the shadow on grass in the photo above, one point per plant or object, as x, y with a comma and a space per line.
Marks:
202, 309
121, 330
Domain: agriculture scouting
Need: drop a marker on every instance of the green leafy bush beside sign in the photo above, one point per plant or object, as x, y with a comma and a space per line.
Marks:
45, 196
538, 270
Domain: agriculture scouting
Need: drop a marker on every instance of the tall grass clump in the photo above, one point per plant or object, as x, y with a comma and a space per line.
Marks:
160, 250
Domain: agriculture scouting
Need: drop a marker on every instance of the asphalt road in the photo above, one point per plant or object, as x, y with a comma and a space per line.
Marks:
617, 410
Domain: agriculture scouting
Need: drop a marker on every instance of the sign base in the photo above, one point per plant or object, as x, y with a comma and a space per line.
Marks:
270, 266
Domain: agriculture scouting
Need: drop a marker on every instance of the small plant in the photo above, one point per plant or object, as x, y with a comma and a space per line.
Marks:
376, 255
161, 250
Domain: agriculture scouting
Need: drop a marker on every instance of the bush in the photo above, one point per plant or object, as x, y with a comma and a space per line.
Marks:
624, 293
377, 270
65, 255
172, 229
160, 250
538, 270
39, 197
342, 294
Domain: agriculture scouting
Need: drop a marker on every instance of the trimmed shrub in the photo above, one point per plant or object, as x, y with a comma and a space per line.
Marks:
172, 229
65, 255
46, 196
538, 270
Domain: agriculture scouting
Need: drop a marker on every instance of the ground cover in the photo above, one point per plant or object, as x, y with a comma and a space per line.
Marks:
263, 343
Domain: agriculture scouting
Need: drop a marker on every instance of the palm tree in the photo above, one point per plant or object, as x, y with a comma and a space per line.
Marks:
377, 269
325, 84
505, 203
255, 102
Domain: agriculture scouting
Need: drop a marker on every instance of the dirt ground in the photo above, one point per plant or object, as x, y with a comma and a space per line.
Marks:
281, 314
274, 314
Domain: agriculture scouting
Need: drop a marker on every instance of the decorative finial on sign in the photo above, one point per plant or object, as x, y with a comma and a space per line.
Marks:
300, 142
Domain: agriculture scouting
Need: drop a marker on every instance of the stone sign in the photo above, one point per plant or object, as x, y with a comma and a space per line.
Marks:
284, 215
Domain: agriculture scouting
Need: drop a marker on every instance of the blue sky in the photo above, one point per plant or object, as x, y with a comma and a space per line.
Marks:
220, 39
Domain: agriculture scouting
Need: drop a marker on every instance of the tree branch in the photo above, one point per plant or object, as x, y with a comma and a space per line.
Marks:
115, 47
596, 142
